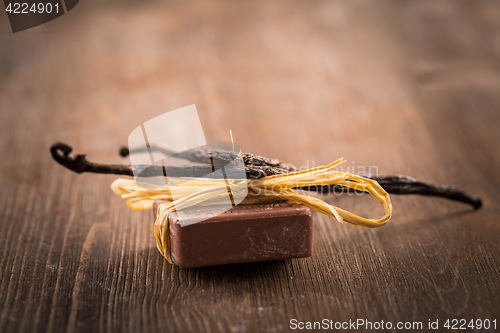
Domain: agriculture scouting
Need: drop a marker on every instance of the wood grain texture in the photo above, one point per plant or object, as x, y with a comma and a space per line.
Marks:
406, 87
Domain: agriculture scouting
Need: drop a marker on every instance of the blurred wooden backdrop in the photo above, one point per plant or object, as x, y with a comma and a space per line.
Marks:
407, 87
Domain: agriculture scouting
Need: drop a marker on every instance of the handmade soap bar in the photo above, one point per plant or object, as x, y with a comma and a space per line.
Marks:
246, 233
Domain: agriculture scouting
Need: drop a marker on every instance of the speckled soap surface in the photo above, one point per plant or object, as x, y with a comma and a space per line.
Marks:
246, 233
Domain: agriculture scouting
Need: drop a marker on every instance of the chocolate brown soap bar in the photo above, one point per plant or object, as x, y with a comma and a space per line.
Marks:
245, 233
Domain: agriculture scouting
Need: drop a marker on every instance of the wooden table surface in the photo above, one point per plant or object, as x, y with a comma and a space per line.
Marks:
402, 87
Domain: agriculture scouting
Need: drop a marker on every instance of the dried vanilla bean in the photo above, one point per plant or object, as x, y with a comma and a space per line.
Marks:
219, 156
255, 167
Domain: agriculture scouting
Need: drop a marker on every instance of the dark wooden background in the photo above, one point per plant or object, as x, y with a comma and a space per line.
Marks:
406, 87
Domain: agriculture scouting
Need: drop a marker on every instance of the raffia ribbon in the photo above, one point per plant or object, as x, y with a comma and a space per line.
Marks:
266, 189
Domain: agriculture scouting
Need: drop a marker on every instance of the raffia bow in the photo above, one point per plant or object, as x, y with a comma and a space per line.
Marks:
266, 189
